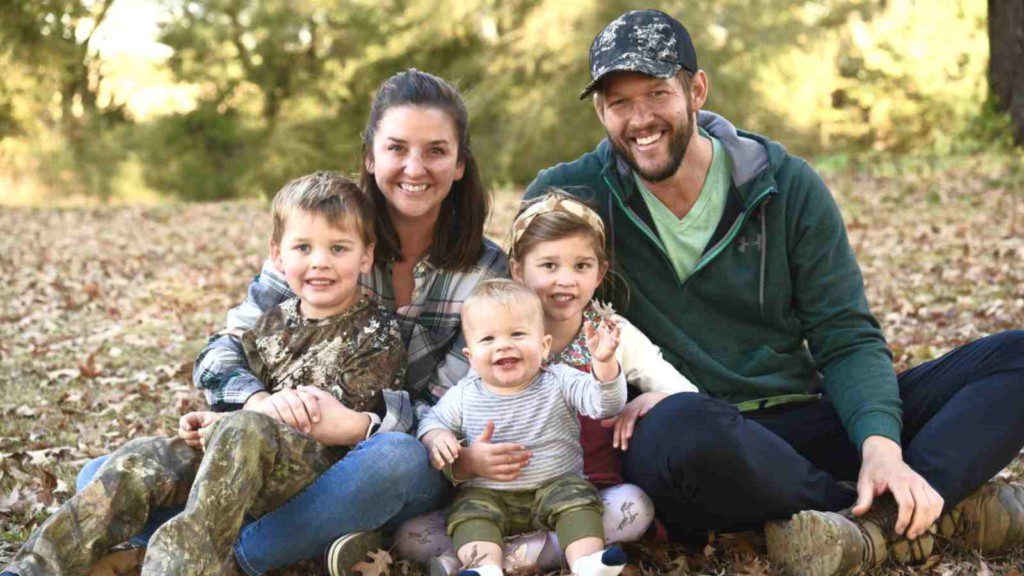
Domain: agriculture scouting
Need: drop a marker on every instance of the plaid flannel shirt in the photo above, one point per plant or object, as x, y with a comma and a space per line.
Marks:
430, 327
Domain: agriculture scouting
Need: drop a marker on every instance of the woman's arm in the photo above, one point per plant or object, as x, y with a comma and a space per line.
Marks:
221, 370
338, 425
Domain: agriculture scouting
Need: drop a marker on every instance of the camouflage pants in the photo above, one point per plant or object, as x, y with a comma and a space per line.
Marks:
569, 505
252, 464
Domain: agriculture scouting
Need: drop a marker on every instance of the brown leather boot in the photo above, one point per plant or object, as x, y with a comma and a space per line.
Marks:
991, 520
840, 544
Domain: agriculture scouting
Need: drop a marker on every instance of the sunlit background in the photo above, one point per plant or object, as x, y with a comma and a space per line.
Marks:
156, 100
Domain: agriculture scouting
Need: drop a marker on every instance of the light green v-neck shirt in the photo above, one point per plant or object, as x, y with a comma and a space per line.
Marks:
685, 239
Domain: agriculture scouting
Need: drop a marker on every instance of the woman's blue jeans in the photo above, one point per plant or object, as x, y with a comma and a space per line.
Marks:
379, 484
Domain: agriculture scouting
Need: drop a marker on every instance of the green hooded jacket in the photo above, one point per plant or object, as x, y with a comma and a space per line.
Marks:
774, 310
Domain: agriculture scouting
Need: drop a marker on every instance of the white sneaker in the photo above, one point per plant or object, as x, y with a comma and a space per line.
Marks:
349, 550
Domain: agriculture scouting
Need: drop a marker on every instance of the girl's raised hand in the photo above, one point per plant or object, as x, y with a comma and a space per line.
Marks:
603, 340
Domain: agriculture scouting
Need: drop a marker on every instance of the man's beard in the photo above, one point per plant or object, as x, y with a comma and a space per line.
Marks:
677, 145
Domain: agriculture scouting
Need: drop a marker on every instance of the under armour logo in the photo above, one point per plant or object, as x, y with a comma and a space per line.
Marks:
743, 243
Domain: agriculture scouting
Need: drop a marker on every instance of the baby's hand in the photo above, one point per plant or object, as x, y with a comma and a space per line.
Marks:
443, 447
190, 424
603, 340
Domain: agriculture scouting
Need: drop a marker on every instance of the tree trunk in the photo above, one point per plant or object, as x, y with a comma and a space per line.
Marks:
1006, 63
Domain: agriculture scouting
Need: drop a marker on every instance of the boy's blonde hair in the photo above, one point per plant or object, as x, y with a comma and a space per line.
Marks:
508, 293
329, 195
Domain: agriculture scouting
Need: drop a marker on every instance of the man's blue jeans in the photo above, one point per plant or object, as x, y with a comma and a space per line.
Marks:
706, 466
379, 484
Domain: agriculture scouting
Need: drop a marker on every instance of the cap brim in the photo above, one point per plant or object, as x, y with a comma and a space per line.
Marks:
628, 63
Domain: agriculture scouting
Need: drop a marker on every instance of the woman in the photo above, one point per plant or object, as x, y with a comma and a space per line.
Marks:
419, 170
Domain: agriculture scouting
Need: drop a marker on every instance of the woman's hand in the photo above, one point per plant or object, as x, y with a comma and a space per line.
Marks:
483, 459
295, 407
338, 424
190, 426
625, 422
443, 447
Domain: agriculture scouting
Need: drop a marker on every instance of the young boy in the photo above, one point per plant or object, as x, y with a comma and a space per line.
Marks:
503, 323
330, 342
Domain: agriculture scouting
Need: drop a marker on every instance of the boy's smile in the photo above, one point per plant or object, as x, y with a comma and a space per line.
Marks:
322, 262
505, 344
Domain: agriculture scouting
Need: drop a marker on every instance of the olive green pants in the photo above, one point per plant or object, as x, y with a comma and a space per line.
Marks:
569, 505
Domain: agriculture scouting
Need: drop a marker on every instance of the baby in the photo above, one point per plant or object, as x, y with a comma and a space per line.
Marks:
503, 323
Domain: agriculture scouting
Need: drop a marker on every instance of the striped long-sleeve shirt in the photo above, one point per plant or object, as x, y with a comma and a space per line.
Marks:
543, 417
430, 328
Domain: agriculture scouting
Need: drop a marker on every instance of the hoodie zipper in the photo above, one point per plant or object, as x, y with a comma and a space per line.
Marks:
641, 225
710, 255
733, 231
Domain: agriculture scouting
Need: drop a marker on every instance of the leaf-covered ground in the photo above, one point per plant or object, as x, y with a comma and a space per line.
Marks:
102, 311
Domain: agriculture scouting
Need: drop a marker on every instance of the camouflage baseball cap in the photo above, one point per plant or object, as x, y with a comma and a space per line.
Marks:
646, 41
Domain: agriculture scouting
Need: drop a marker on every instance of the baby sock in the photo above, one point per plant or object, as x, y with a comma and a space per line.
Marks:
489, 570
607, 562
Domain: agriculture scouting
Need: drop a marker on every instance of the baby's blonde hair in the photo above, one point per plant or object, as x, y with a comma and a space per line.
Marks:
508, 293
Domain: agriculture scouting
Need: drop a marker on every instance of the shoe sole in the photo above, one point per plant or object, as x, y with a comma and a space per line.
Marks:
810, 544
437, 567
349, 550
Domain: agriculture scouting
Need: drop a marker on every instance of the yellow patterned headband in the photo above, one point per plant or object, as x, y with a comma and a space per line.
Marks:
554, 203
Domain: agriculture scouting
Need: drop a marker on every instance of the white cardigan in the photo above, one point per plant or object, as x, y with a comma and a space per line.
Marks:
643, 365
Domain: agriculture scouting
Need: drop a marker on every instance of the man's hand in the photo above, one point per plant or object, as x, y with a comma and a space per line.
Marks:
625, 422
443, 447
295, 407
501, 462
883, 469
190, 425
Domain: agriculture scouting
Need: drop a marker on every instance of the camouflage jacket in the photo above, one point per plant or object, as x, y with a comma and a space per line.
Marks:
356, 355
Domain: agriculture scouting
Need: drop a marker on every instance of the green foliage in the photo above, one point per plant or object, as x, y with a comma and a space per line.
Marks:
283, 87
200, 155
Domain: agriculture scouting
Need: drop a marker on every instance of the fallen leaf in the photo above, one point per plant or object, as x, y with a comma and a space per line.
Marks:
378, 565
47, 483
89, 369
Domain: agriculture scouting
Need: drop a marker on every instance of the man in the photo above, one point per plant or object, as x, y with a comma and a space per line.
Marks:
740, 269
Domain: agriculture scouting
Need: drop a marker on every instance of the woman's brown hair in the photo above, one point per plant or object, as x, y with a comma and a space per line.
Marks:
459, 231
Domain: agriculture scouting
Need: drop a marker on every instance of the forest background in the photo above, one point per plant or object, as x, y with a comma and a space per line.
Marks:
131, 100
